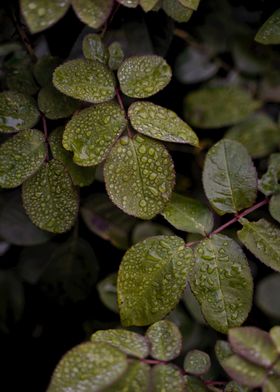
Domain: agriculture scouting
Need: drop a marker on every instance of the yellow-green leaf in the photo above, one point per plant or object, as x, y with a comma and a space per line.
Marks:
148, 5
192, 4
269, 33
197, 362
177, 11
167, 378
93, 13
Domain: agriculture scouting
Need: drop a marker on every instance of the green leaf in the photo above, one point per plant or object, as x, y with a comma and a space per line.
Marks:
177, 11
56, 105
197, 362
41, 14
139, 176
259, 134
91, 133
233, 386
94, 49
148, 5
85, 79
222, 350
269, 183
151, 279
43, 69
274, 207
81, 176
275, 336
144, 230
272, 384
193, 306
262, 239
130, 343
107, 290
165, 340
254, 345
20, 78
267, 298
215, 107
269, 33
160, 123
188, 214
135, 379
20, 157
116, 55
193, 384
103, 218
88, 367
167, 378
129, 3
17, 111
192, 4
229, 177
50, 199
143, 76
222, 283
93, 13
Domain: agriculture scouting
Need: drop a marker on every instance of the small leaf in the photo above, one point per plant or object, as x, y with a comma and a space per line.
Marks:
167, 378
165, 340
272, 384
88, 367
139, 176
215, 107
107, 290
192, 4
84, 79
17, 111
267, 298
143, 76
91, 133
193, 384
254, 345
56, 105
130, 343
222, 283
222, 350
275, 336
269, 33
41, 14
197, 362
148, 5
274, 207
145, 230
129, 3
229, 177
151, 279
93, 13
259, 134
43, 69
188, 214
262, 239
177, 11
116, 55
160, 123
50, 199
269, 183
20, 78
233, 386
81, 176
94, 49
20, 157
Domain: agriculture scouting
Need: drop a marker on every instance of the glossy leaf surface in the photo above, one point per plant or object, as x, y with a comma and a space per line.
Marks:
93, 13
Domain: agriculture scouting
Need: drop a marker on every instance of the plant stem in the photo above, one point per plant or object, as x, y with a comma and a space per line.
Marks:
154, 362
120, 101
45, 129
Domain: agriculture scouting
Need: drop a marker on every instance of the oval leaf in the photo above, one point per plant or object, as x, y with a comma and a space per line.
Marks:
139, 176
143, 76
229, 177
177, 11
275, 336
197, 362
274, 207
93, 13
160, 123
151, 279
94, 49
84, 79
148, 5
222, 283
269, 183
167, 378
267, 298
43, 69
116, 55
50, 199
192, 4
92, 132
269, 33
107, 290
20, 157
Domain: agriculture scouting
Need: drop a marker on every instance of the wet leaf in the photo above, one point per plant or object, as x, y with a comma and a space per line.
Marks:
167, 377
130, 343
188, 214
91, 133
139, 176
192, 4
20, 157
165, 340
222, 283
274, 207
81, 176
17, 112
93, 13
160, 123
94, 49
143, 76
88, 80
223, 350
176, 10
192, 305
88, 367
151, 279
148, 5
41, 14
43, 69
197, 362
50, 199
193, 384
262, 239
116, 55
259, 134
269, 33
145, 230
267, 298
269, 183
20, 78
129, 3
107, 290
215, 107
56, 105
229, 177
254, 345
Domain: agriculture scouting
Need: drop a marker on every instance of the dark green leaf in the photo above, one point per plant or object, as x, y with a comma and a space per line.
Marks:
20, 78
272, 384
116, 55
269, 33
145, 230
43, 69
167, 378
148, 5
192, 305
107, 290
233, 386
275, 336
192, 4
193, 384
269, 183
267, 298
176, 10
229, 177
93, 13
94, 49
222, 350
151, 279
197, 362
274, 207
